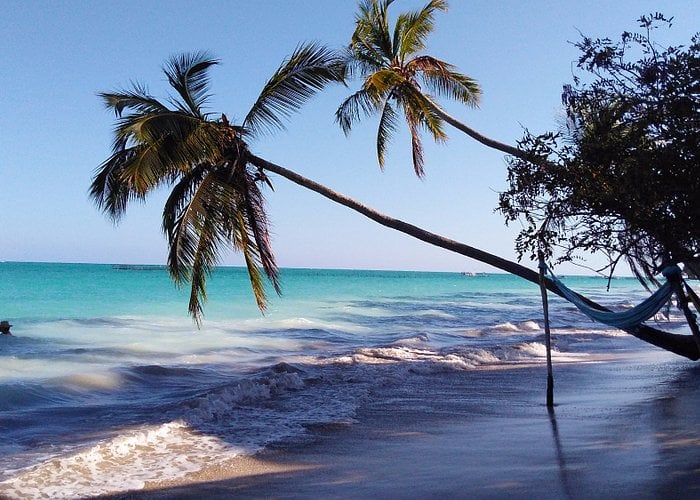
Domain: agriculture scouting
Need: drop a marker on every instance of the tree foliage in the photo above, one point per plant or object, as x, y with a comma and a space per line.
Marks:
621, 177
216, 199
396, 76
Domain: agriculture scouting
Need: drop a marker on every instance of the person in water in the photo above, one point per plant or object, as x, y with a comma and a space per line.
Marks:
5, 328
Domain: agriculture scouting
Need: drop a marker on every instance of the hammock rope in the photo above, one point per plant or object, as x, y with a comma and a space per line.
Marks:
630, 318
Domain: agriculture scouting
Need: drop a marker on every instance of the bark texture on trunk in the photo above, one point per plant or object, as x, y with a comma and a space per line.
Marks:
683, 345
486, 141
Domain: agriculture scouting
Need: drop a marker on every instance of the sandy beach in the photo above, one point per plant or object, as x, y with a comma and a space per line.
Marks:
623, 428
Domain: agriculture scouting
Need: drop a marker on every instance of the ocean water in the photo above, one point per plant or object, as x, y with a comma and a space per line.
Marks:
107, 384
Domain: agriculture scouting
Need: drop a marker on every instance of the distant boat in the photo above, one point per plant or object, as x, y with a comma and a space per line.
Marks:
472, 274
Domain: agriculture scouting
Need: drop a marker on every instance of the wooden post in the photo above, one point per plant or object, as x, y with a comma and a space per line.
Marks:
547, 333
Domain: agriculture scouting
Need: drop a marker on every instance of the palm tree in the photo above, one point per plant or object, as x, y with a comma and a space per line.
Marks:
396, 77
216, 199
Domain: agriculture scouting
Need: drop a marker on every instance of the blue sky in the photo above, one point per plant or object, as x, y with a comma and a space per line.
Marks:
54, 131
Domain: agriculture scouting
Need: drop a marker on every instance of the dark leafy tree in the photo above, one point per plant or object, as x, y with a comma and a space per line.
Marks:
622, 176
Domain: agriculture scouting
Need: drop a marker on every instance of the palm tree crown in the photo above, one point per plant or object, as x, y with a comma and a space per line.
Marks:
216, 199
394, 75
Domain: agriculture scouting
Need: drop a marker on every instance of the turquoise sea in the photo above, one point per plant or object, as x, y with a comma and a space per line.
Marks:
107, 383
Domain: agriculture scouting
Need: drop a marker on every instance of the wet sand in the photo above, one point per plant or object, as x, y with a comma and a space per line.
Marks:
626, 428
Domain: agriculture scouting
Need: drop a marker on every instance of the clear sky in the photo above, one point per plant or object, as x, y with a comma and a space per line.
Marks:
56, 55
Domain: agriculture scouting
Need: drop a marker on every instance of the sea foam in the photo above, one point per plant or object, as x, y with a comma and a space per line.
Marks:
136, 456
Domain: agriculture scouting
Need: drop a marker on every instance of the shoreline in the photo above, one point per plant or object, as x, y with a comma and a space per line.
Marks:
626, 428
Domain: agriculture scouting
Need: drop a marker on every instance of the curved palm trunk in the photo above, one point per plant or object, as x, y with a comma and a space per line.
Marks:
486, 141
683, 345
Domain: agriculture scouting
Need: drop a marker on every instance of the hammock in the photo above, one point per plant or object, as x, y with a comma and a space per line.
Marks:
626, 319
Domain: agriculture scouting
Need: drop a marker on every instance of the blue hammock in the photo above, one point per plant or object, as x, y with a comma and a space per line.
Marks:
626, 319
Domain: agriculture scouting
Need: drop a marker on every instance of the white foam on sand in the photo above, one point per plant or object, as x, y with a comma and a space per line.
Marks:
420, 358
298, 323
513, 328
167, 451
208, 430
136, 456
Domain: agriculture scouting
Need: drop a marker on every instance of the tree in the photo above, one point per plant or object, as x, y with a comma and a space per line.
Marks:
621, 177
394, 75
216, 198
392, 71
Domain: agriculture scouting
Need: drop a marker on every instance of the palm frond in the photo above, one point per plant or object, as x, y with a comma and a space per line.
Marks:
370, 99
253, 203
181, 139
181, 195
388, 124
413, 122
309, 69
145, 171
183, 216
110, 192
254, 274
413, 28
363, 59
371, 35
352, 108
360, 62
150, 149
182, 199
418, 105
188, 75
210, 207
247, 230
381, 83
420, 114
136, 100
442, 79
198, 223
205, 258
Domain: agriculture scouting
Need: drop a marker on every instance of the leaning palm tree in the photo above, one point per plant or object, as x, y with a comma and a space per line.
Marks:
216, 199
396, 78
